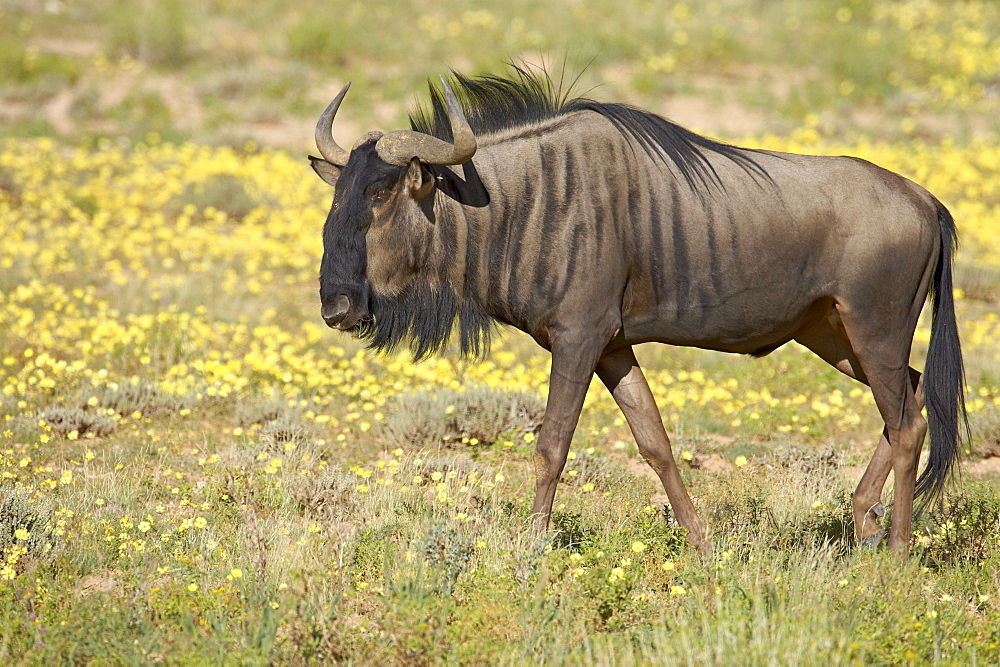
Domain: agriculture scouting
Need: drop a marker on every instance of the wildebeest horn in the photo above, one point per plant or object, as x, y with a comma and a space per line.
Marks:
401, 146
325, 142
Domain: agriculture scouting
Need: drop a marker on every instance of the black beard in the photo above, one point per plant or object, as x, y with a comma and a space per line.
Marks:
424, 318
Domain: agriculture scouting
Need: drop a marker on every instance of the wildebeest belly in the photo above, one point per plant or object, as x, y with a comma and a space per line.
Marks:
754, 317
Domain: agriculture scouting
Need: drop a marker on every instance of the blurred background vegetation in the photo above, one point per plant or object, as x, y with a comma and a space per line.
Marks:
227, 71
194, 469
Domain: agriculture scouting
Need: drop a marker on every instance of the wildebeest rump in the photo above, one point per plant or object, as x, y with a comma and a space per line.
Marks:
594, 227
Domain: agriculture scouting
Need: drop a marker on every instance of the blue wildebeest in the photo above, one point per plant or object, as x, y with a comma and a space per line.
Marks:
594, 227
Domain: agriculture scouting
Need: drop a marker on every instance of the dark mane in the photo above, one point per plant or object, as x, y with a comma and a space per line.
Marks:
494, 104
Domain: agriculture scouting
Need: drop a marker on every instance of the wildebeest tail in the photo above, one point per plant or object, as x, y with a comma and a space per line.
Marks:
944, 373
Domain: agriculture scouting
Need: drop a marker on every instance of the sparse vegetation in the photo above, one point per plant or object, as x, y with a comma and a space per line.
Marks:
731, 67
193, 468
468, 418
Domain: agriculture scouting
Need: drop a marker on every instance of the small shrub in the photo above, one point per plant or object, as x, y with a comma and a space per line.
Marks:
660, 533
284, 430
743, 513
831, 524
962, 528
151, 32
65, 420
800, 503
610, 590
448, 548
137, 395
985, 427
978, 281
29, 531
368, 563
568, 531
331, 494
258, 411
809, 461
475, 416
10, 187
222, 192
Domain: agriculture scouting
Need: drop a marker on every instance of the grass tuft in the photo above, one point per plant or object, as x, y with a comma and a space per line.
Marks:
476, 416
137, 395
227, 193
66, 420
155, 33
31, 531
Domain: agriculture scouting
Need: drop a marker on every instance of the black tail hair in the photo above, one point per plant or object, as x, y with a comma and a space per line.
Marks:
944, 374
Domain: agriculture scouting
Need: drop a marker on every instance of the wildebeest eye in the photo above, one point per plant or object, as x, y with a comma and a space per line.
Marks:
380, 195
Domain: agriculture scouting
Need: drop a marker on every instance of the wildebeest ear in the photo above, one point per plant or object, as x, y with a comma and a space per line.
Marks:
419, 179
328, 171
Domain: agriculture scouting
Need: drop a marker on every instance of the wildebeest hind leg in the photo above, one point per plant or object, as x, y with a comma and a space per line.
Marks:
623, 377
889, 379
830, 344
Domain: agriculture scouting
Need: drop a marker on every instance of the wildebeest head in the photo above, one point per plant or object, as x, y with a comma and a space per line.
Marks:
375, 236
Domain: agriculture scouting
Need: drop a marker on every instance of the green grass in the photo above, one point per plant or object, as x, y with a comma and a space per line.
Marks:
859, 65
394, 574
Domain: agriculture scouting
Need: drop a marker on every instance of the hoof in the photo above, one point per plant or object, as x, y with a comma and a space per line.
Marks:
872, 541
879, 510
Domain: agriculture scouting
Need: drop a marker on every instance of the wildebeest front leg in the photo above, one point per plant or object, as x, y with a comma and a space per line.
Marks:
572, 370
623, 377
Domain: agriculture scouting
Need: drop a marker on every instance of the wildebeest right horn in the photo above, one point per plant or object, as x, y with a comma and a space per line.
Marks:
401, 146
325, 142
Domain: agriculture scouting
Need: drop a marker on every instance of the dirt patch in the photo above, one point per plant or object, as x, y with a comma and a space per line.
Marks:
59, 112
711, 463
104, 92
987, 467
97, 584
702, 114
853, 473
640, 468
712, 105
180, 98
287, 133
70, 48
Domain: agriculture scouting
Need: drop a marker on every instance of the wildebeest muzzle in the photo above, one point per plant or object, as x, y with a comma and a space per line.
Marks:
345, 307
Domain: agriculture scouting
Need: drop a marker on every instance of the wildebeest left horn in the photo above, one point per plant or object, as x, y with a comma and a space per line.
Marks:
401, 146
325, 142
